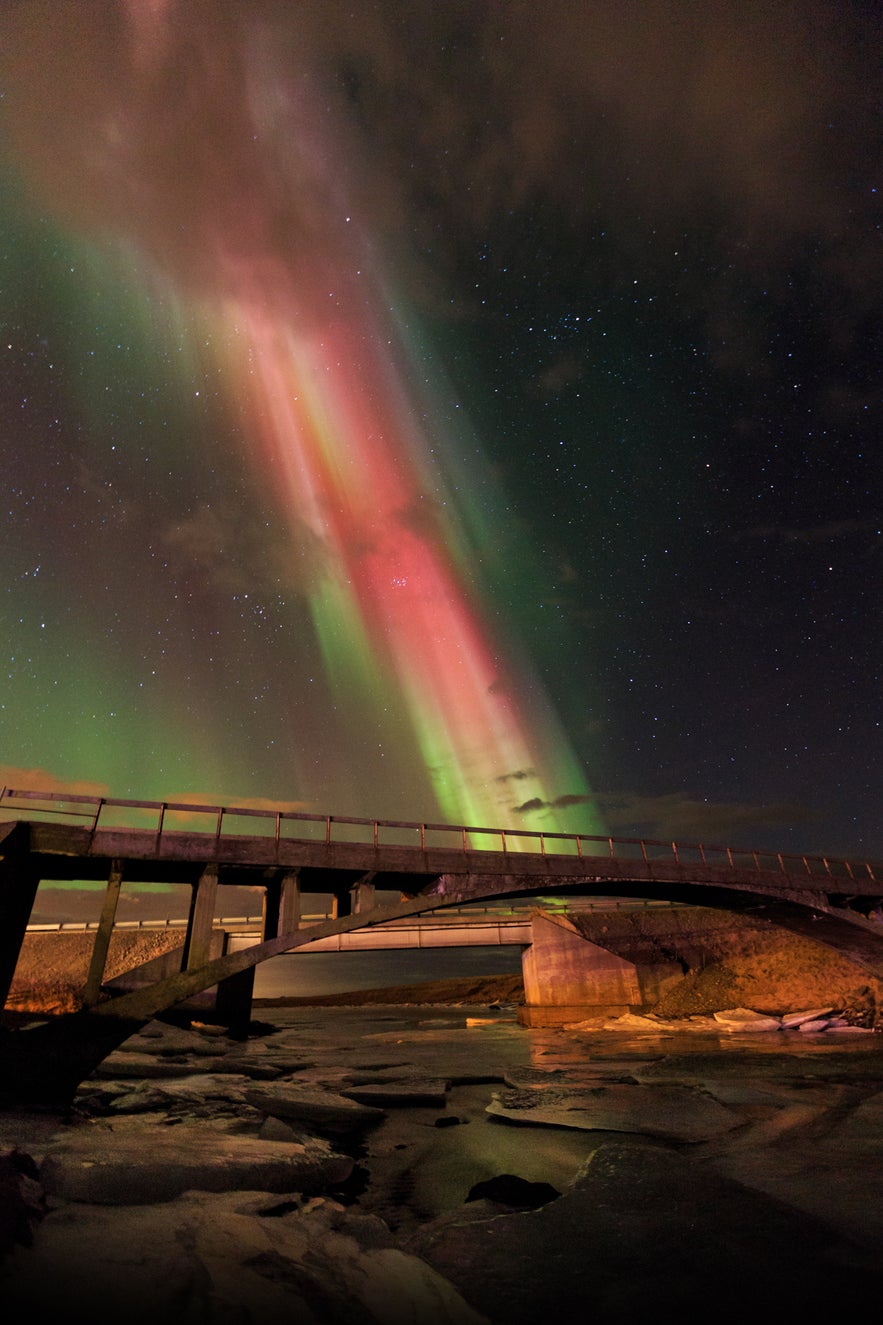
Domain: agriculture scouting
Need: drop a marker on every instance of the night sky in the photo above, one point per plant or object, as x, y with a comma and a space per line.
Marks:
447, 411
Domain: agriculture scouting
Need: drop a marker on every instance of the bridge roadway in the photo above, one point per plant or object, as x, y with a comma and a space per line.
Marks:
834, 902
444, 931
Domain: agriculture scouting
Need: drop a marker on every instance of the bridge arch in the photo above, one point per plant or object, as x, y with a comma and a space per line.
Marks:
828, 901
863, 946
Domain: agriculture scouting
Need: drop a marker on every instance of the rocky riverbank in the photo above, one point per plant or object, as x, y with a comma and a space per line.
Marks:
393, 1164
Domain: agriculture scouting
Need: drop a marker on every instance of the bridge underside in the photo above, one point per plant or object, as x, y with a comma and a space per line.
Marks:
43, 1065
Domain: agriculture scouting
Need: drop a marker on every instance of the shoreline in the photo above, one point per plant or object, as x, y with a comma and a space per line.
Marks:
728, 962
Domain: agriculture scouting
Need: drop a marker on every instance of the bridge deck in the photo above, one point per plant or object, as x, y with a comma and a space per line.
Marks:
431, 867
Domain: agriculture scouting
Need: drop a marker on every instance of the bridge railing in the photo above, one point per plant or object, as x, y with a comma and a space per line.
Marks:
100, 813
475, 914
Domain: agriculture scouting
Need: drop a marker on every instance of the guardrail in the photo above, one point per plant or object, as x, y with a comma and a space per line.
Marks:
164, 817
454, 915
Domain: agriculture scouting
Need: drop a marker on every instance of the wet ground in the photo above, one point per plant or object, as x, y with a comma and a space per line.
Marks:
541, 1174
808, 1109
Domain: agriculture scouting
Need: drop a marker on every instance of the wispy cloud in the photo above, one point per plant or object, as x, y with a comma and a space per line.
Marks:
16, 778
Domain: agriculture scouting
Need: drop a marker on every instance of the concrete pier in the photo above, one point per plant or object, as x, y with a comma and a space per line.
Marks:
567, 978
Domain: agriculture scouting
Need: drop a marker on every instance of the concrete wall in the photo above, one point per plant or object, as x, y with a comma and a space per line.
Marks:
568, 978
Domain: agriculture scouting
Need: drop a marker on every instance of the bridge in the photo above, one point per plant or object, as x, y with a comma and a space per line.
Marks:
45, 836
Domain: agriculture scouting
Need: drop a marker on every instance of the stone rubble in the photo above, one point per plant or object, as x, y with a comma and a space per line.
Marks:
736, 1020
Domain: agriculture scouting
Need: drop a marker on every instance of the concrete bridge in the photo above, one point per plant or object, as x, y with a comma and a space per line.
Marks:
430, 866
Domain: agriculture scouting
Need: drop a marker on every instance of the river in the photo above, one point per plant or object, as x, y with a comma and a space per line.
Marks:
298, 975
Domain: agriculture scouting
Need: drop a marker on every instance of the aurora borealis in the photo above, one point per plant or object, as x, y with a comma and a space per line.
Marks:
444, 412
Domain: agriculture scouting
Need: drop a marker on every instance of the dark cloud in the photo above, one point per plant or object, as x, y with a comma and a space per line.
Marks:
225, 129
683, 817
560, 802
677, 817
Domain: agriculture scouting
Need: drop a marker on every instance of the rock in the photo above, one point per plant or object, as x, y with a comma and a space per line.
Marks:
127, 1063
865, 1124
669, 1112
160, 1039
245, 1067
413, 1092
202, 1093
644, 1233
744, 1019
323, 1109
142, 1099
509, 1189
222, 1258
632, 1021
793, 1019
103, 1167
21, 1200
274, 1129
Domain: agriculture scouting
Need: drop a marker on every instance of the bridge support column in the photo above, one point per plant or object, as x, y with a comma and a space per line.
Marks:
362, 895
233, 996
290, 904
567, 978
233, 1003
102, 938
197, 945
282, 906
19, 882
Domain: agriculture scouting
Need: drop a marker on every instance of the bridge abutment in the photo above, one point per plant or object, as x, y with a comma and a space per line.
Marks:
567, 978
